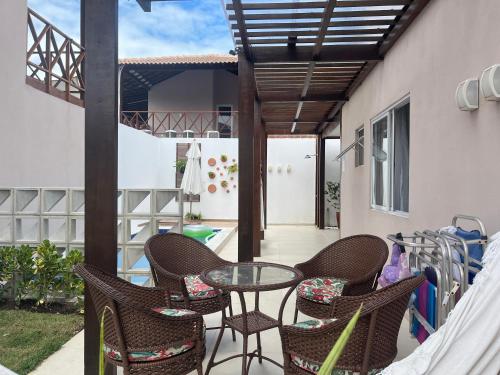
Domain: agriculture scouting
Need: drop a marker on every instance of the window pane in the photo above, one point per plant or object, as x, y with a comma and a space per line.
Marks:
401, 158
380, 152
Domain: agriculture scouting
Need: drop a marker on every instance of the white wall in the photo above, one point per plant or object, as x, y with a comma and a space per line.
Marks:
453, 154
290, 196
149, 162
332, 173
41, 137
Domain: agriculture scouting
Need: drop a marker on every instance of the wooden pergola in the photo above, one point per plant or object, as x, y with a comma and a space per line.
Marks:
298, 63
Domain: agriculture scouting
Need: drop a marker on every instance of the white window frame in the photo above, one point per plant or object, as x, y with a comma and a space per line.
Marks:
389, 192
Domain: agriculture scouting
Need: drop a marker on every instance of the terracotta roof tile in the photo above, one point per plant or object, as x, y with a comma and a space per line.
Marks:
182, 59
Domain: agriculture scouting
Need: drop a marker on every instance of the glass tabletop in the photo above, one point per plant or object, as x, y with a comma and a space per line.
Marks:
252, 276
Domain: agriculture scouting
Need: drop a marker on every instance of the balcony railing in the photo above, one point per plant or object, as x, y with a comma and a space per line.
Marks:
54, 61
184, 124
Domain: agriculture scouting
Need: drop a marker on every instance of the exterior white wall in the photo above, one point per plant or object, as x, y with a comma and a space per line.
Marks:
453, 154
290, 196
149, 162
41, 137
332, 173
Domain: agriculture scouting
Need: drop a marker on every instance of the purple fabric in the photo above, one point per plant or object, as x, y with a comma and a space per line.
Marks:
396, 253
423, 297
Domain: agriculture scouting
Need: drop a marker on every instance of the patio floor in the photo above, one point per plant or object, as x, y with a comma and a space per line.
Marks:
285, 244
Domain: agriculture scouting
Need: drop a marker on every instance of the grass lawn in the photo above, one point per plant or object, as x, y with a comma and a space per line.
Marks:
27, 338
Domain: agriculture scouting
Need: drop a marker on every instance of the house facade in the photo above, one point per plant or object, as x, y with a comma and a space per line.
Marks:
173, 96
424, 160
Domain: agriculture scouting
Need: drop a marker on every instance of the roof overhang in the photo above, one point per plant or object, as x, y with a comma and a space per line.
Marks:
314, 49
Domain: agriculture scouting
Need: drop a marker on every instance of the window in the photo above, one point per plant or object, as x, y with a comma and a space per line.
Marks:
225, 120
390, 159
359, 151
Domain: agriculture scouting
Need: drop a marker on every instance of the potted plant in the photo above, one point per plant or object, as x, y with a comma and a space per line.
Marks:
211, 175
233, 168
333, 197
224, 184
223, 158
194, 218
180, 165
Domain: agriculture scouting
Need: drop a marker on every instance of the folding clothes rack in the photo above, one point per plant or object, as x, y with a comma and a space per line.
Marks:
434, 249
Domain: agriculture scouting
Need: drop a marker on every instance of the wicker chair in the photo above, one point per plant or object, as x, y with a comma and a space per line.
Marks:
373, 343
140, 333
174, 258
349, 266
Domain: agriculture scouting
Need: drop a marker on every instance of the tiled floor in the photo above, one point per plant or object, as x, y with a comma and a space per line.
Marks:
283, 244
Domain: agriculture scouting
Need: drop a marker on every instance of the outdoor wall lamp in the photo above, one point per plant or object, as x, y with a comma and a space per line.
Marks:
490, 83
467, 95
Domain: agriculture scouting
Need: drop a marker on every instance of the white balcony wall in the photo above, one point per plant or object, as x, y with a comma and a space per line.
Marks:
453, 154
41, 136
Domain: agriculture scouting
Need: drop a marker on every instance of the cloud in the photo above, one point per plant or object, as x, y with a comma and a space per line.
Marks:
180, 27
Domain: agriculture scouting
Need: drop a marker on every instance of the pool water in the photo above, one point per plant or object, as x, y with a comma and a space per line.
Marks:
143, 264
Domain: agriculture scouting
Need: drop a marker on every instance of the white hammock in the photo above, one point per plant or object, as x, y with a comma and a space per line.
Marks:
469, 342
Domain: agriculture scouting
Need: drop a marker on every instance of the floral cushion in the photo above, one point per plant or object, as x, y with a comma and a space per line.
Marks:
314, 323
196, 289
321, 290
163, 353
313, 367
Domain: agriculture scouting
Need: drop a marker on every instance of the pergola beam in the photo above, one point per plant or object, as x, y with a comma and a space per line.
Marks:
319, 4
284, 97
339, 53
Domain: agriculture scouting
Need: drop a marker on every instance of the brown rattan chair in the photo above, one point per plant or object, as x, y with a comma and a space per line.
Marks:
354, 263
373, 343
137, 336
173, 258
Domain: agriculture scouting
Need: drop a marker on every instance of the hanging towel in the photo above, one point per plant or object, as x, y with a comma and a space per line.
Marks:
469, 342
431, 305
475, 250
423, 292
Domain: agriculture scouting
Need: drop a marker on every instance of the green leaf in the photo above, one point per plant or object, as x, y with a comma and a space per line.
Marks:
338, 348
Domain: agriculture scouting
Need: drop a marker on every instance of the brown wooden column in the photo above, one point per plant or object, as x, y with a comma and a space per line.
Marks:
100, 38
263, 150
249, 168
321, 182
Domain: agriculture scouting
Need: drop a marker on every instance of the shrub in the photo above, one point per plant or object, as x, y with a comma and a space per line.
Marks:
40, 273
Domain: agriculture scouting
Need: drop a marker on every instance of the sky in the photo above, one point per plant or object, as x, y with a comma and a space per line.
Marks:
172, 28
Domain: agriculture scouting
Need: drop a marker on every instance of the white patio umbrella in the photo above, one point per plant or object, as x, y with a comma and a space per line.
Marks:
191, 181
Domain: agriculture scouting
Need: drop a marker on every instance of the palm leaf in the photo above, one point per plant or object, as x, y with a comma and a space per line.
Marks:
338, 348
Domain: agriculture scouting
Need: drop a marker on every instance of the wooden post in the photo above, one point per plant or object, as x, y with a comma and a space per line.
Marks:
263, 149
100, 39
257, 178
321, 182
249, 170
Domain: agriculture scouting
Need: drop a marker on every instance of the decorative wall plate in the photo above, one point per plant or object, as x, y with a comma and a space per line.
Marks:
212, 162
212, 188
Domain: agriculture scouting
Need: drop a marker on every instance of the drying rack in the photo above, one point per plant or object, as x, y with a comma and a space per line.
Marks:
430, 248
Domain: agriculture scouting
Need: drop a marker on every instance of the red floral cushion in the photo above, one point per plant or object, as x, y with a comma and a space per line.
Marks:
162, 353
320, 289
196, 289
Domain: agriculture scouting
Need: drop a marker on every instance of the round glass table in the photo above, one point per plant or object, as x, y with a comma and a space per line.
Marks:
250, 277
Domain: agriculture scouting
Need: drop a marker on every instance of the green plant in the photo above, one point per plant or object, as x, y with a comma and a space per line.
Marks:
233, 168
211, 175
7, 267
224, 184
192, 216
180, 166
47, 270
24, 272
333, 194
338, 348
223, 158
71, 284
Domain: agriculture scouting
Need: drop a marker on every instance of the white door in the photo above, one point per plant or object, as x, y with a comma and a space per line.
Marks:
291, 180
